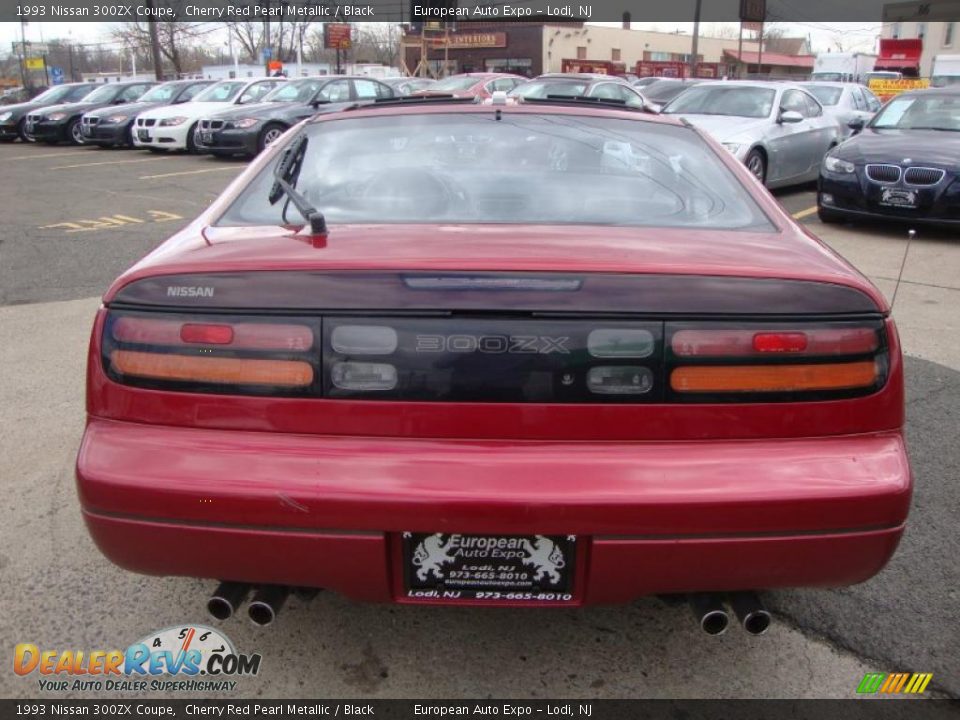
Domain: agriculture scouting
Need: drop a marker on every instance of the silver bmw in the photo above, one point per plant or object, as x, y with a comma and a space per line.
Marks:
778, 130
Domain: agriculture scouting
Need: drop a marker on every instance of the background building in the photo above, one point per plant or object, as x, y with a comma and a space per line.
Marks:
533, 48
939, 38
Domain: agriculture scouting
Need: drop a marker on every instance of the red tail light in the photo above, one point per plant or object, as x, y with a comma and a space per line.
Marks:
741, 342
240, 355
736, 361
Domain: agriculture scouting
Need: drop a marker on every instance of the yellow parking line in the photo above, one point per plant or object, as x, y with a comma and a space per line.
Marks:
189, 172
804, 213
110, 162
46, 155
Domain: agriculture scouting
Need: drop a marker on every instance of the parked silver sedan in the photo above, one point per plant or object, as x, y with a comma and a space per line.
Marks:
778, 130
845, 102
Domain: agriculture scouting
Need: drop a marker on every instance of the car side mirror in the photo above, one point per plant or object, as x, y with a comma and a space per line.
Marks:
857, 124
119, 101
789, 117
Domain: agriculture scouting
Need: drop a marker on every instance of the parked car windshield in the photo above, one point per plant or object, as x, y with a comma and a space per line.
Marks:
664, 91
221, 92
56, 94
295, 91
454, 84
753, 102
826, 94
543, 88
920, 112
522, 168
161, 93
105, 93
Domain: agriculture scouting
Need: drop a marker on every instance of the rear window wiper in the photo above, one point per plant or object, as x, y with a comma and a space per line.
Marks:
285, 176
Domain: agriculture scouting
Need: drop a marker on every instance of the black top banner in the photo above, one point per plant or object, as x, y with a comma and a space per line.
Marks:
448, 11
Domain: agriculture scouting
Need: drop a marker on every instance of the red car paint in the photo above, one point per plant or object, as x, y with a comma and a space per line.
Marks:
663, 497
482, 88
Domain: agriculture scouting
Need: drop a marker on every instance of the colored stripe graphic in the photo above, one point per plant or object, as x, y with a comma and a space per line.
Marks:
893, 683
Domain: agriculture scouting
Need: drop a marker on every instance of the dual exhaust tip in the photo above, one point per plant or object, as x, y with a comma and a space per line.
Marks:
709, 609
711, 612
263, 608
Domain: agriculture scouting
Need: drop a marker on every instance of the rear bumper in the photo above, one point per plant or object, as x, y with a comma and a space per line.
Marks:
650, 517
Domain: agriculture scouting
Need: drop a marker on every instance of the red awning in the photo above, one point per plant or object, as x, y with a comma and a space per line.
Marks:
773, 59
897, 53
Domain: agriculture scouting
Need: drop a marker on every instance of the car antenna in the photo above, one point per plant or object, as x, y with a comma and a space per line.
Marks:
911, 234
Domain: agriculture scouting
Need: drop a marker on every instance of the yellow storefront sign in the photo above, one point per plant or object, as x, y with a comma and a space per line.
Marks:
34, 63
886, 88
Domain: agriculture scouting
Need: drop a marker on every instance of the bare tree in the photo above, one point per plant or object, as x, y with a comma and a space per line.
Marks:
175, 38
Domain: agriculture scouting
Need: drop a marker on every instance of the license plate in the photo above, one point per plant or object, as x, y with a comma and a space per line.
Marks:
143, 136
206, 137
509, 568
898, 198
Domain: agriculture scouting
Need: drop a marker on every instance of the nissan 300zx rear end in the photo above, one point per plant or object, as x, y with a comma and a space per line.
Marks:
538, 355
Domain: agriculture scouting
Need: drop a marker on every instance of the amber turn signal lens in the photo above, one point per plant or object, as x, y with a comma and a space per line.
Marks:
226, 371
773, 378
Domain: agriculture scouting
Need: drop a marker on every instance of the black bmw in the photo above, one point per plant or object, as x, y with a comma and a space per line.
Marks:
61, 123
112, 126
13, 117
249, 129
903, 165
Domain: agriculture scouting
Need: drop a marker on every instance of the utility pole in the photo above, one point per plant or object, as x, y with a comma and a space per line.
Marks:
23, 54
154, 44
694, 46
266, 41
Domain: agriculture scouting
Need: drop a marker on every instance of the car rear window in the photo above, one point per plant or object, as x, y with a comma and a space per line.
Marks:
751, 102
522, 168
221, 92
825, 94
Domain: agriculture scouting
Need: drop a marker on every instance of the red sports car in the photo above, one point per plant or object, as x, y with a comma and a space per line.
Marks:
474, 85
549, 354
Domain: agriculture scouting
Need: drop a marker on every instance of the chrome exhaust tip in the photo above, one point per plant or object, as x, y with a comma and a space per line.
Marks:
266, 604
226, 599
751, 613
710, 613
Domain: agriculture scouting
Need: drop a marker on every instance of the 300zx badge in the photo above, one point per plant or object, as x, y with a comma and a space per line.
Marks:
518, 344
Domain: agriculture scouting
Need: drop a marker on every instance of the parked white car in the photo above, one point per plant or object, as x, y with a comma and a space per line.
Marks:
778, 130
173, 127
845, 102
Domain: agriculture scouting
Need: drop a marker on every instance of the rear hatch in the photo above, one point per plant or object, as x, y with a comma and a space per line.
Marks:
595, 354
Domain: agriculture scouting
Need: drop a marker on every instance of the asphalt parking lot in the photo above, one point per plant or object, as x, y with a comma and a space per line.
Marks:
72, 218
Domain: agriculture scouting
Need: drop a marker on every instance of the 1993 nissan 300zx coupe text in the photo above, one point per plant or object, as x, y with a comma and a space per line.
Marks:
545, 354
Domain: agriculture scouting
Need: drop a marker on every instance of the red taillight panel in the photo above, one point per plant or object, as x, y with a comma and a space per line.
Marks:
708, 342
206, 334
242, 355
238, 334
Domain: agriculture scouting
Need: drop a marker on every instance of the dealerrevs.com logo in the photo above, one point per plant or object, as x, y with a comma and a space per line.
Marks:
188, 658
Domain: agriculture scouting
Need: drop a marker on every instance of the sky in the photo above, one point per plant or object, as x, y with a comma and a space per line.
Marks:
824, 36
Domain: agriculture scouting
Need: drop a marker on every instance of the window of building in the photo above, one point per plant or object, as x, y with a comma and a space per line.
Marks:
581, 53
615, 54
948, 34
895, 31
921, 30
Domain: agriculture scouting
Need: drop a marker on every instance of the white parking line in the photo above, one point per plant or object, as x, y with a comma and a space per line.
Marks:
111, 162
190, 172
48, 155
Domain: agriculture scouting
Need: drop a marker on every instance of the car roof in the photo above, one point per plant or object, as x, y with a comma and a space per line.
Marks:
452, 106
